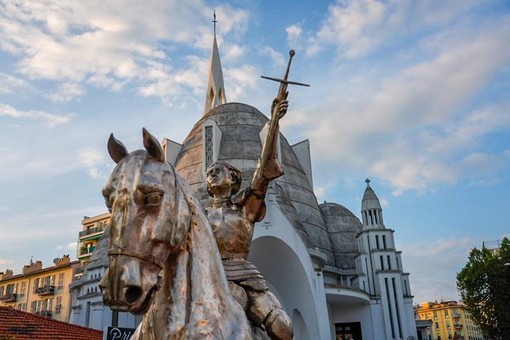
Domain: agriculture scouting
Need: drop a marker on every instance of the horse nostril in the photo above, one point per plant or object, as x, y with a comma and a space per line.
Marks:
133, 294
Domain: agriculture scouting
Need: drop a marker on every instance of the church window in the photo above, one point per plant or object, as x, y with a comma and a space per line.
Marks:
382, 262
211, 98
377, 241
384, 241
208, 146
389, 261
390, 312
397, 310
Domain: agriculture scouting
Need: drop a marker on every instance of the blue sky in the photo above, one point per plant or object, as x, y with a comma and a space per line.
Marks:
413, 94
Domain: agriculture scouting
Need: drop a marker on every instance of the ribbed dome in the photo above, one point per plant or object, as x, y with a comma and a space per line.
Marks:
343, 226
240, 126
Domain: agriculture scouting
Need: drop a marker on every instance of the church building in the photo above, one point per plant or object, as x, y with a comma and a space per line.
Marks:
337, 277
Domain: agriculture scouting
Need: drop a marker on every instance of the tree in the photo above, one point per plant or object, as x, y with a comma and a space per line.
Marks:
484, 286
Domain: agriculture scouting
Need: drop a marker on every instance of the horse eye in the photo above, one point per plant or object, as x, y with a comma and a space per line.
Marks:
152, 199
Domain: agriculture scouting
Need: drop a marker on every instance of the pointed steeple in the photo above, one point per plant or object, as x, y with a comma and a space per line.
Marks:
371, 210
215, 91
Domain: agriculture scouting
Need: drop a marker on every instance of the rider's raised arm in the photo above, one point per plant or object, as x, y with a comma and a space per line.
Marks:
268, 167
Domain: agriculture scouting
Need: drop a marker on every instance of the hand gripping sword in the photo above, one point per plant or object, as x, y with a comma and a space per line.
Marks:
267, 164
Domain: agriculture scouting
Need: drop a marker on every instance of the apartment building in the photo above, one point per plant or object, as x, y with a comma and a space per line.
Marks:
93, 228
38, 290
450, 320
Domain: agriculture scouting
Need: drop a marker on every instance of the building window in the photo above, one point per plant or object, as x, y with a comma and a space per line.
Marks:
377, 241
389, 261
58, 306
382, 262
384, 241
446, 313
23, 289
435, 317
61, 280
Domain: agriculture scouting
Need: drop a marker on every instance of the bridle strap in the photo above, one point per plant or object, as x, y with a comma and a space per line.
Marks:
126, 252
118, 251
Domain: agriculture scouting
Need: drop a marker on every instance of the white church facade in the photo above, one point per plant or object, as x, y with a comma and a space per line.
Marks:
338, 277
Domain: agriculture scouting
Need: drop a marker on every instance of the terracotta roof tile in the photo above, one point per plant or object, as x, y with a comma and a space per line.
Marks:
23, 326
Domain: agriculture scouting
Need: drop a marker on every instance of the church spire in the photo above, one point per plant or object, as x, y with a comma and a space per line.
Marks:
215, 91
371, 210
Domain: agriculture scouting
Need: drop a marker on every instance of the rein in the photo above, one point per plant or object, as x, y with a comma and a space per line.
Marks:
147, 258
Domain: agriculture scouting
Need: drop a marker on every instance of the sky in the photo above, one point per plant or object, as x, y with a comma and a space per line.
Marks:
411, 94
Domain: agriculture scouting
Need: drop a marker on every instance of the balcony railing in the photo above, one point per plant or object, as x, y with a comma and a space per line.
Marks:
46, 290
458, 326
9, 297
87, 251
91, 231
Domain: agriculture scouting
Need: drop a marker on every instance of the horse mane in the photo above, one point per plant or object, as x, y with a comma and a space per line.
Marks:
210, 310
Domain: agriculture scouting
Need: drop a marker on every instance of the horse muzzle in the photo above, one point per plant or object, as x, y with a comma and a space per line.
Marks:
130, 290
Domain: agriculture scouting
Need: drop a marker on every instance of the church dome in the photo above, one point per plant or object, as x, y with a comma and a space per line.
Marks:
240, 145
343, 226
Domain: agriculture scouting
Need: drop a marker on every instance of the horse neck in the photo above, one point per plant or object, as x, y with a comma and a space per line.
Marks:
194, 299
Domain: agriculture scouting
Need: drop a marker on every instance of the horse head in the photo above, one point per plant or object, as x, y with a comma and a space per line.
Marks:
149, 221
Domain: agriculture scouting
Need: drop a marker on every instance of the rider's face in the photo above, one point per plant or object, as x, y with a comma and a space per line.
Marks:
218, 178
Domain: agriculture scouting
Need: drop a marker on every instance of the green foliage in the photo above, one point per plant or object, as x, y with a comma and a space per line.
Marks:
484, 285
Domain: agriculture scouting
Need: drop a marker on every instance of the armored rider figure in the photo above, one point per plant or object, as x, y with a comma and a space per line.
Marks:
233, 220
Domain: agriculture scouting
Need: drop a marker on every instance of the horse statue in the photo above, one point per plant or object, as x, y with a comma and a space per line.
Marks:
163, 258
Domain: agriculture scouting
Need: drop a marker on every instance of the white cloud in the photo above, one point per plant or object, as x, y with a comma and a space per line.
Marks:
294, 33
10, 84
277, 59
358, 27
69, 246
92, 159
411, 128
433, 264
66, 92
48, 118
108, 47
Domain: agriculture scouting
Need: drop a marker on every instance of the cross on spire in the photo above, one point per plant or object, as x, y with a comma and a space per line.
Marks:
214, 22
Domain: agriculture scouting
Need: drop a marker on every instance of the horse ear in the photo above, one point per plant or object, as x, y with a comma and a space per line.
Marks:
116, 149
152, 146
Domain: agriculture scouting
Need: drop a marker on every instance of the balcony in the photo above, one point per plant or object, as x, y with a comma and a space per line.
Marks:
90, 231
9, 297
456, 315
84, 252
457, 326
46, 290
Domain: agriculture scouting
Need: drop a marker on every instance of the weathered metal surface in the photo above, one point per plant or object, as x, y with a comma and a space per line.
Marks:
163, 260
233, 219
